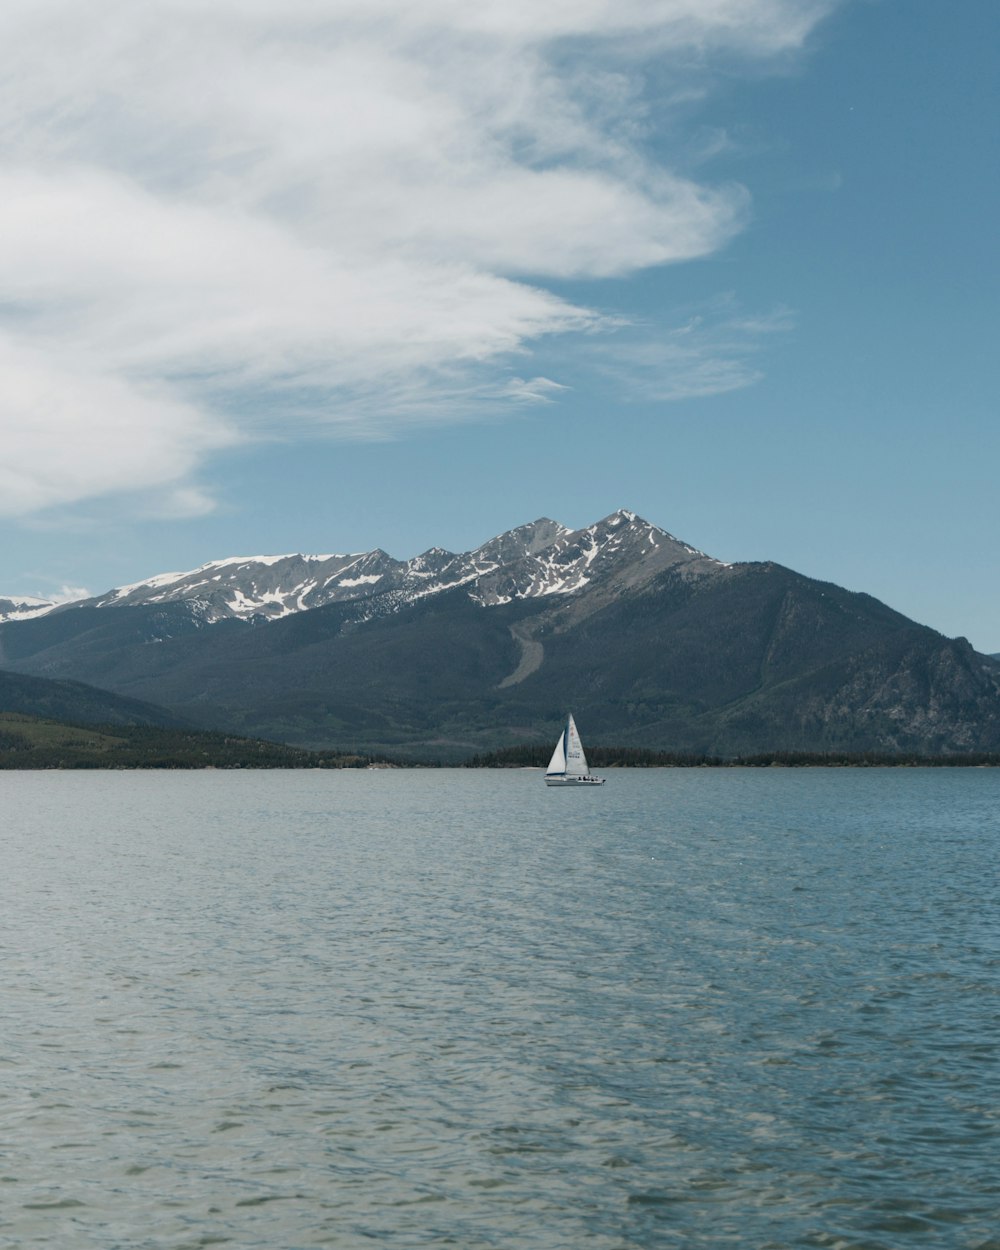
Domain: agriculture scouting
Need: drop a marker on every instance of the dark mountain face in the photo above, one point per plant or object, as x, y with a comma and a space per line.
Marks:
763, 658
649, 642
78, 703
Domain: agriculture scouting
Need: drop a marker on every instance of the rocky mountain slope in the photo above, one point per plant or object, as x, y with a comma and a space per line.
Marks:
534, 560
648, 640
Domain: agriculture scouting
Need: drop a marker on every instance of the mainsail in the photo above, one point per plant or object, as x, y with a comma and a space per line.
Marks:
576, 761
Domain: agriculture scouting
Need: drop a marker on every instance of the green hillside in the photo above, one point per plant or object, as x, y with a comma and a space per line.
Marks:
33, 742
78, 703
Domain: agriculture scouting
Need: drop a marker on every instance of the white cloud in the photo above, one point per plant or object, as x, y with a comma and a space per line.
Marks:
70, 434
69, 594
532, 390
223, 218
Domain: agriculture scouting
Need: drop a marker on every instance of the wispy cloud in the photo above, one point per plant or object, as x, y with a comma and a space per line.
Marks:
220, 221
712, 351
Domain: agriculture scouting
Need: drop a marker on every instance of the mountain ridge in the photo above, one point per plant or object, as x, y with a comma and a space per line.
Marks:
650, 641
538, 558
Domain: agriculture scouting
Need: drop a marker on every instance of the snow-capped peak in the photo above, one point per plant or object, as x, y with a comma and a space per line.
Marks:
23, 607
539, 558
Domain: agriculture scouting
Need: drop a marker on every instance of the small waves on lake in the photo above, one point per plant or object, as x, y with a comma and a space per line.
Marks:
693, 1008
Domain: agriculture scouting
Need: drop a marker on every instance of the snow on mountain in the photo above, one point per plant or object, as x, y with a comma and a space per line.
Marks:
23, 607
540, 558
258, 586
622, 547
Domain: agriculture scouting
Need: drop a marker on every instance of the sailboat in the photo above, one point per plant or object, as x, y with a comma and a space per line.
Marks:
568, 765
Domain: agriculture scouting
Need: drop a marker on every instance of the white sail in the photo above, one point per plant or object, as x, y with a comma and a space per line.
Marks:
557, 764
576, 761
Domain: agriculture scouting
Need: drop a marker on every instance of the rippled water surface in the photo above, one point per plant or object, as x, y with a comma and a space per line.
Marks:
694, 1008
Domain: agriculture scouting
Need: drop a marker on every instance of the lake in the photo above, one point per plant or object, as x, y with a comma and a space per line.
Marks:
693, 1008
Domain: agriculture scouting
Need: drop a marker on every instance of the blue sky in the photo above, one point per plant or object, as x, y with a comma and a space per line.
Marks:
325, 276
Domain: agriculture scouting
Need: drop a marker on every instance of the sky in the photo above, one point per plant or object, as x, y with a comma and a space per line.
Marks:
331, 275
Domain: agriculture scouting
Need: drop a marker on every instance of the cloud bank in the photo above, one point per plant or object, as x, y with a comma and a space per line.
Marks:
222, 220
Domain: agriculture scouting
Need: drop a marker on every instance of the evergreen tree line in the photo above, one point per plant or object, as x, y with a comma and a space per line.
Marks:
45, 744
537, 756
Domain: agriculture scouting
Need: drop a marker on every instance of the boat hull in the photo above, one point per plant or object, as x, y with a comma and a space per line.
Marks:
574, 781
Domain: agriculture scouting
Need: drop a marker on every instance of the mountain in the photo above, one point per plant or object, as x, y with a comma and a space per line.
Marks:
23, 608
542, 558
81, 704
650, 642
